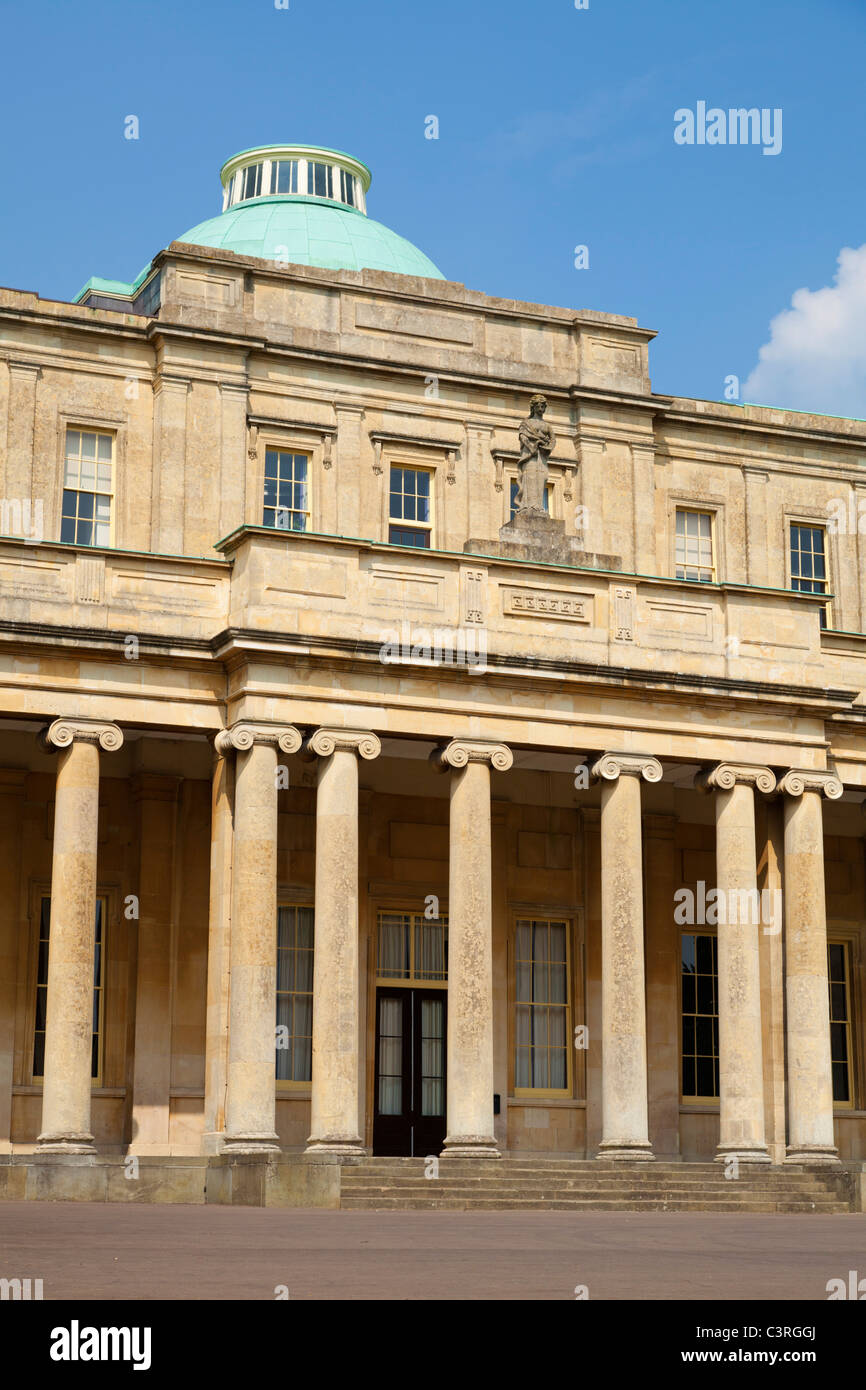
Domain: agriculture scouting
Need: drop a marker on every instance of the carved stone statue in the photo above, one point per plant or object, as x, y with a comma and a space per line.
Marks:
537, 442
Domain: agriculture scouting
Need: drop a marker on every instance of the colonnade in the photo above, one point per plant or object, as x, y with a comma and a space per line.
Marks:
471, 764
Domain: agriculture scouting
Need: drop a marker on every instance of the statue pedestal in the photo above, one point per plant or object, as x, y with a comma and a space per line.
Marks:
534, 536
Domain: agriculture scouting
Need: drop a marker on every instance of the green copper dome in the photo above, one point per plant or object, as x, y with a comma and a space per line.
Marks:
291, 204
311, 231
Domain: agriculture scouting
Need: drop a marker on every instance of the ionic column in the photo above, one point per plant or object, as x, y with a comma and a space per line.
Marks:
69, 1018
334, 1117
251, 1093
469, 1128
625, 1131
810, 1079
741, 1066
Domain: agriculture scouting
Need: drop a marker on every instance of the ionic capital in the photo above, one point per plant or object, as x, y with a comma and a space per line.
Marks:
611, 766
725, 776
324, 742
62, 733
796, 782
461, 751
241, 737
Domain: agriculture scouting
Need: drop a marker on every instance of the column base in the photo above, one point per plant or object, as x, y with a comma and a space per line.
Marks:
470, 1146
344, 1146
742, 1155
825, 1157
251, 1144
626, 1153
66, 1144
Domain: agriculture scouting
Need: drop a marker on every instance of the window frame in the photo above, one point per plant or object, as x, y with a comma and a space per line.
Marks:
408, 524
109, 431
410, 981
529, 1093
42, 892
791, 520
294, 453
688, 509
285, 1085
846, 944
700, 1100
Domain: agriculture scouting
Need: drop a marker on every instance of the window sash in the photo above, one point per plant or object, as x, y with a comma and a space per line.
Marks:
40, 1015
294, 993
286, 491
542, 1007
699, 1017
88, 488
841, 1039
412, 948
695, 553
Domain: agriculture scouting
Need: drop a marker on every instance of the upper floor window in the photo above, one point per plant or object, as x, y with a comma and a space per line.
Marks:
542, 1006
252, 181
809, 562
514, 490
410, 507
694, 536
285, 501
284, 176
320, 179
87, 488
347, 188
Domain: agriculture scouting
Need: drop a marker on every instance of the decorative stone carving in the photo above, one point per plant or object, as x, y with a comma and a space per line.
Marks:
324, 742
725, 776
461, 751
241, 737
796, 782
613, 765
64, 732
537, 442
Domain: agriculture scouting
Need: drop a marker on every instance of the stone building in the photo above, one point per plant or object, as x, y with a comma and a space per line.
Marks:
349, 806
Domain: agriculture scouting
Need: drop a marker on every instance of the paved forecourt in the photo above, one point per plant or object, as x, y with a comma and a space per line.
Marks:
104, 1251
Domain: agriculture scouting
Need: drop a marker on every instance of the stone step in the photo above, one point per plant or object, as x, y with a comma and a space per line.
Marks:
403, 1203
702, 1181
816, 1199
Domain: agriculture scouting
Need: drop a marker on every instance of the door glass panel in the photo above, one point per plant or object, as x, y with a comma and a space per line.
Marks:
432, 1057
390, 1056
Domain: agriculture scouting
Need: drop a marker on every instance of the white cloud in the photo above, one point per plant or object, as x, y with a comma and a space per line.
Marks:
816, 357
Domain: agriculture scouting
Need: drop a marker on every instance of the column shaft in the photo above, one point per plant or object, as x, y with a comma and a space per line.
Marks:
625, 1131
251, 1098
335, 1121
69, 1019
741, 1076
810, 1082
470, 966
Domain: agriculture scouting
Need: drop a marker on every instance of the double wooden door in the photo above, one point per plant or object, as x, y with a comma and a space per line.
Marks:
409, 1115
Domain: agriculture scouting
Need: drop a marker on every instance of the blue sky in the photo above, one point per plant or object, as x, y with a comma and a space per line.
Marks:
555, 130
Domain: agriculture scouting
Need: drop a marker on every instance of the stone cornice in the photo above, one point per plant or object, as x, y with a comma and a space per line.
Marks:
611, 766
62, 733
324, 742
724, 776
241, 737
462, 751
797, 781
